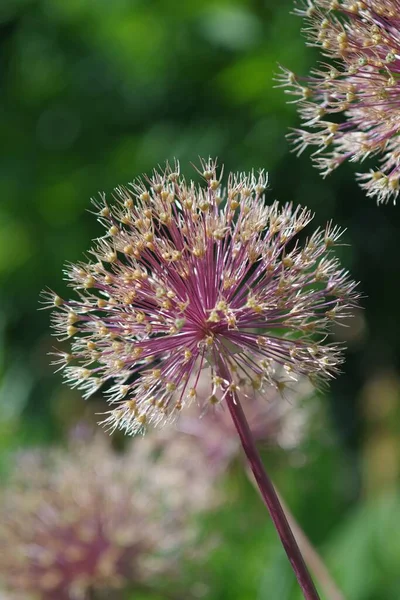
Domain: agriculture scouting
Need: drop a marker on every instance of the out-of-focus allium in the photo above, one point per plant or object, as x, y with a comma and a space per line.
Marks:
273, 420
189, 276
350, 107
78, 523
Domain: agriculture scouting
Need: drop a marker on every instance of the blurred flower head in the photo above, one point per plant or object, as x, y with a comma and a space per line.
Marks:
350, 107
91, 520
191, 276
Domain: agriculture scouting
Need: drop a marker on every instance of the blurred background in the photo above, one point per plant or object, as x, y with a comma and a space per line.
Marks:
94, 93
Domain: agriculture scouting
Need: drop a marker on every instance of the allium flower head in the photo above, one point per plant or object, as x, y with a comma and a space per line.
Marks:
191, 276
89, 520
350, 107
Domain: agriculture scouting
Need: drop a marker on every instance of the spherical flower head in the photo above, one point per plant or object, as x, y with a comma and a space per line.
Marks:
350, 106
89, 521
193, 276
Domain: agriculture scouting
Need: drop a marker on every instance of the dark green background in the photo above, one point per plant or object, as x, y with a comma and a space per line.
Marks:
93, 93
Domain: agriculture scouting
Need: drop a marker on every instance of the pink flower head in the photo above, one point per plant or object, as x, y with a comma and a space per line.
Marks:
350, 107
194, 276
90, 520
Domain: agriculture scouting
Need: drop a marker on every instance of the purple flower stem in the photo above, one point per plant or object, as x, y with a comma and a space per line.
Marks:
271, 499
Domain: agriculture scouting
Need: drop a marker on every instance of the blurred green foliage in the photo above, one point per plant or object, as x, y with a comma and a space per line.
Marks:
94, 93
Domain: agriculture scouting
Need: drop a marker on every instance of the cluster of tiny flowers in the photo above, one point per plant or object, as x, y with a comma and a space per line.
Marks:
273, 421
82, 523
191, 276
350, 108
